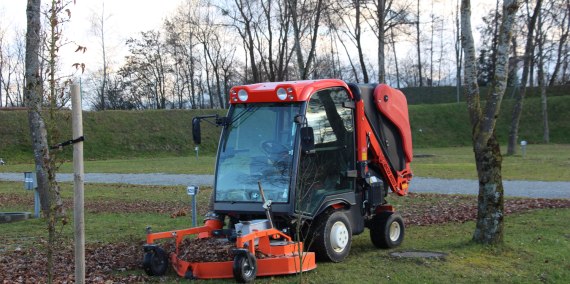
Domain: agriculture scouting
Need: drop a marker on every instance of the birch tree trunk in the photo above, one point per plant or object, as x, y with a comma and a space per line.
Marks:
33, 92
488, 159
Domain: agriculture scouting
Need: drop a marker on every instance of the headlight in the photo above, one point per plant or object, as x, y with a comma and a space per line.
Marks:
281, 93
242, 95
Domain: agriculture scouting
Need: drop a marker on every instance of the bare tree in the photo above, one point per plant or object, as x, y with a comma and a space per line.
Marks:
458, 52
306, 16
528, 59
488, 157
99, 29
418, 46
541, 39
147, 68
3, 59
560, 15
384, 16
11, 68
353, 28
247, 34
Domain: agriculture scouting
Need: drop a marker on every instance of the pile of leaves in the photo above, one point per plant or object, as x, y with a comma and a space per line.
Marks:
209, 250
462, 208
173, 208
206, 250
103, 262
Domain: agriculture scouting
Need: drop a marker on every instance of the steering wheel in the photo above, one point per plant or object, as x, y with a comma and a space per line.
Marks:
274, 150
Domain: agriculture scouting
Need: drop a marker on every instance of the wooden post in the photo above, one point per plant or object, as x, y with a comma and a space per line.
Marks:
78, 215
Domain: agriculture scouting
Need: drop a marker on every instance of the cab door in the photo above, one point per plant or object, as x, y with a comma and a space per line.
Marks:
324, 173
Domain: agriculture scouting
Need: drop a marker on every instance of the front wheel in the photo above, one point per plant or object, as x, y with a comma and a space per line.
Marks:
387, 230
332, 236
245, 267
155, 262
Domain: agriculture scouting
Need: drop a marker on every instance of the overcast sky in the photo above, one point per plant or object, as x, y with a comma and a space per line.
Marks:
127, 18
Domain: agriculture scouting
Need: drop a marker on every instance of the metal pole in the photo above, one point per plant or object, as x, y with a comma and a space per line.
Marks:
194, 211
36, 203
78, 172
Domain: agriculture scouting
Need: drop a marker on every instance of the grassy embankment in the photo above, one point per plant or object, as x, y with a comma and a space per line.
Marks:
167, 133
160, 141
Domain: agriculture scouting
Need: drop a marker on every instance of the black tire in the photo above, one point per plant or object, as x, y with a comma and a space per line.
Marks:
387, 230
332, 236
245, 267
155, 262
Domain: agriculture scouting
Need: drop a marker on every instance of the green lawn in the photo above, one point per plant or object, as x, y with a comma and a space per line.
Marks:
535, 250
541, 162
171, 165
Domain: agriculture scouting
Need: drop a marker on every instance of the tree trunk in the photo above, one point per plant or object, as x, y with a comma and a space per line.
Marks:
359, 43
33, 96
105, 67
564, 30
490, 212
542, 81
458, 55
517, 109
381, 43
430, 82
393, 41
304, 67
544, 104
208, 79
33, 93
248, 38
418, 45
489, 229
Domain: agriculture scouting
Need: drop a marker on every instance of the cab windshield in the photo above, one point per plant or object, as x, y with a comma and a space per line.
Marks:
257, 145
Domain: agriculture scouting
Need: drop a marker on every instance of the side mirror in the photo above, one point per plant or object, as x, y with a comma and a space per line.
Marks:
196, 133
307, 140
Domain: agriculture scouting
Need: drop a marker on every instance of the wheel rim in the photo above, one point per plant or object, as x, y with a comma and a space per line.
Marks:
247, 268
339, 236
395, 231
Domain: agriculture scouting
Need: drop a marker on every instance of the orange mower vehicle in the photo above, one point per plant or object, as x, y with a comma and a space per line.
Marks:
301, 168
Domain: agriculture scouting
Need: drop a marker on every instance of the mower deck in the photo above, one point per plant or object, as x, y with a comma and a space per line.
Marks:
281, 255
274, 265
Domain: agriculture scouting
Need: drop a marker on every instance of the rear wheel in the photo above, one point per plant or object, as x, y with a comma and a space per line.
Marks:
332, 236
387, 230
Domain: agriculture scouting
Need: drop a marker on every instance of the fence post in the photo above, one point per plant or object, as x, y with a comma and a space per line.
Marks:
78, 172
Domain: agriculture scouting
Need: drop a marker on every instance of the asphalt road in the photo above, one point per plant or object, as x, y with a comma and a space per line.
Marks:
535, 189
